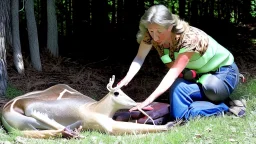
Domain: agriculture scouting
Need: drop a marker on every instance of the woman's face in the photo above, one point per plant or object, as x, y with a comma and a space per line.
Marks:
159, 33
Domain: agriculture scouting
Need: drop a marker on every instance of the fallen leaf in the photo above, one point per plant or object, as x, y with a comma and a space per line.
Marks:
198, 135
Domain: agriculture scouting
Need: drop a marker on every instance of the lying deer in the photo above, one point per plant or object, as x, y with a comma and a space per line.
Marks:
59, 109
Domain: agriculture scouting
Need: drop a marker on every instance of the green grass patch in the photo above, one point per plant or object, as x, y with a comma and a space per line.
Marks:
218, 130
12, 92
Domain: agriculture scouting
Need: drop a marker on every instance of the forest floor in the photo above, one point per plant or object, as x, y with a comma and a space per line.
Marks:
91, 78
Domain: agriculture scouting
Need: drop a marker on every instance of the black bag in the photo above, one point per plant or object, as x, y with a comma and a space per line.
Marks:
158, 111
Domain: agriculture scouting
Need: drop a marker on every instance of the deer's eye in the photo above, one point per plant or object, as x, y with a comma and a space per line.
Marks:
116, 93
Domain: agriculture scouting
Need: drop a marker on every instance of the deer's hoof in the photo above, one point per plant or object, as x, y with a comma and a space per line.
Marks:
172, 124
69, 133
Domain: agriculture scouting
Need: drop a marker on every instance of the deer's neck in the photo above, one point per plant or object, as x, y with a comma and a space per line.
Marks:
106, 106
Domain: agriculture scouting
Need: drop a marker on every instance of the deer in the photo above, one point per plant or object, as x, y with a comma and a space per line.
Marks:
61, 111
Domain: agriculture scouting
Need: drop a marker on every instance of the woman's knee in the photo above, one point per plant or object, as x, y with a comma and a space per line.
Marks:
183, 88
215, 89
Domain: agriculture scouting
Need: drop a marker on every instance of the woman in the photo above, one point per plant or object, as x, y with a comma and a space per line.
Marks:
181, 46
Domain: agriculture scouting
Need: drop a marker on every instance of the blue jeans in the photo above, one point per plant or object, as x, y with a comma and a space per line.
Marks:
217, 89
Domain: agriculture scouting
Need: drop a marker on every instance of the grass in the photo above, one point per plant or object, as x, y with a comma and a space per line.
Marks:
221, 130
12, 92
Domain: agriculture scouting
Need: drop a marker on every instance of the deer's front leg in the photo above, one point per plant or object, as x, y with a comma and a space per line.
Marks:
119, 127
50, 134
58, 129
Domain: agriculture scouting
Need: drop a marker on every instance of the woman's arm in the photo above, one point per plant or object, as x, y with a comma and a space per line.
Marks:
177, 67
136, 63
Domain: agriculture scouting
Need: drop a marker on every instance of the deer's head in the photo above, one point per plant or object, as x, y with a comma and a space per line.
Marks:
119, 97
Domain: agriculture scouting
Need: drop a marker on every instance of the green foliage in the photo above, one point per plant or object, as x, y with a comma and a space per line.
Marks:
253, 8
12, 92
175, 5
232, 18
147, 4
110, 4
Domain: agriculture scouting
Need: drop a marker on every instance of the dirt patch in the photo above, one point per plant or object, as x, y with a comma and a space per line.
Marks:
90, 78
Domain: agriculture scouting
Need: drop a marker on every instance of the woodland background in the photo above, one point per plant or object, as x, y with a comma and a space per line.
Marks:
83, 43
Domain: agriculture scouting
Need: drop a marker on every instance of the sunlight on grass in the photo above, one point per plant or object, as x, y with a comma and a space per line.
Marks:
222, 129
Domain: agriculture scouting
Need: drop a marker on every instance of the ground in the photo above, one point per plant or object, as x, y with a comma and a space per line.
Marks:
90, 78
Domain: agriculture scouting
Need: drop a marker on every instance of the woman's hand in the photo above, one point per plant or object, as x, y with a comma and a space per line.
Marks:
123, 82
142, 105
136, 107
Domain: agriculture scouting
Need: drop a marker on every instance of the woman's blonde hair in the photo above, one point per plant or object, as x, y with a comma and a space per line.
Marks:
161, 15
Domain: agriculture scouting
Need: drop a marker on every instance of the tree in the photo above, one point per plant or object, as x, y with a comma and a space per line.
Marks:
32, 35
17, 55
182, 7
4, 21
52, 30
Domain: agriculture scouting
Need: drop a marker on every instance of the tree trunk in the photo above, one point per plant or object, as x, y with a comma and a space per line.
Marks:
120, 19
52, 30
211, 9
131, 28
67, 12
206, 8
81, 26
227, 12
100, 24
32, 35
219, 10
4, 14
113, 10
189, 13
43, 23
246, 11
194, 12
140, 10
182, 6
17, 55
81, 16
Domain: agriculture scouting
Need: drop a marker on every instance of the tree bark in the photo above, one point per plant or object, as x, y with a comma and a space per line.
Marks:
68, 21
4, 14
32, 35
182, 6
211, 9
100, 24
52, 29
113, 9
120, 17
194, 12
42, 15
17, 55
